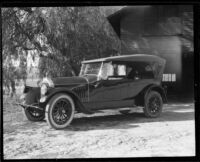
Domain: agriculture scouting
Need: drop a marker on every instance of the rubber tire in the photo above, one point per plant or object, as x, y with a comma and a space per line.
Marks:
31, 118
49, 108
32, 97
146, 108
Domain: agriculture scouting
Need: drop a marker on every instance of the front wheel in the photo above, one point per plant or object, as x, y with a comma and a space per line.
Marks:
34, 115
153, 104
32, 98
60, 111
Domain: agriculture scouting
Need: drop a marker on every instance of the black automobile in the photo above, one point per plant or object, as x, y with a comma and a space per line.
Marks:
105, 83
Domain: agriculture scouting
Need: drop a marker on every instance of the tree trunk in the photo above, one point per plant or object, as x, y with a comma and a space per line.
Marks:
13, 89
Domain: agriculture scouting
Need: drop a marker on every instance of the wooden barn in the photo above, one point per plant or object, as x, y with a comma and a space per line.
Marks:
163, 30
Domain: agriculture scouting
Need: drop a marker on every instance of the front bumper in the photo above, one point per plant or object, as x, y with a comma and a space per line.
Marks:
23, 104
30, 106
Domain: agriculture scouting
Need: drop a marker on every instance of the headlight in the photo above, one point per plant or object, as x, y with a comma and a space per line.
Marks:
44, 85
43, 89
47, 81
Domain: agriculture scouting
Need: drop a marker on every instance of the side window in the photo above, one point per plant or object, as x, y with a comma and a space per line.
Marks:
107, 70
131, 72
113, 71
121, 70
156, 68
148, 72
140, 70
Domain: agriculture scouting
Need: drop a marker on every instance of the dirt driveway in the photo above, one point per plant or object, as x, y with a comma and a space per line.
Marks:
108, 134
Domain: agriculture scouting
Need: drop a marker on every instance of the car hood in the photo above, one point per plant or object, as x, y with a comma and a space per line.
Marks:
73, 81
63, 81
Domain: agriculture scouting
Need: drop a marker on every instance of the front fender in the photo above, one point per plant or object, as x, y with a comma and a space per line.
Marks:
78, 104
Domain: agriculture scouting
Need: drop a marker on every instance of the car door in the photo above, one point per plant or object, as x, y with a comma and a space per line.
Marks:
144, 78
114, 87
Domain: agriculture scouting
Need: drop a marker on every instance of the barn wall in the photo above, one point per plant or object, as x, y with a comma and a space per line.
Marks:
165, 31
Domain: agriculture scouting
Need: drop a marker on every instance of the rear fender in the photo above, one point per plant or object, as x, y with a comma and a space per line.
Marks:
141, 96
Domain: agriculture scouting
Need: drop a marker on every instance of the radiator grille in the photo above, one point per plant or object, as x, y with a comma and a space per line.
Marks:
82, 93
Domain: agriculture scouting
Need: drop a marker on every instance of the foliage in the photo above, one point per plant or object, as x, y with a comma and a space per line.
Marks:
78, 33
18, 30
62, 37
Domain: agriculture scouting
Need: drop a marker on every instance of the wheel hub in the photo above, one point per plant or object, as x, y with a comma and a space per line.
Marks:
154, 105
61, 112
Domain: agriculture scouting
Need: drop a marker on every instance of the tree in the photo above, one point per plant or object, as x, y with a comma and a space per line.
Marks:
62, 37
78, 33
19, 26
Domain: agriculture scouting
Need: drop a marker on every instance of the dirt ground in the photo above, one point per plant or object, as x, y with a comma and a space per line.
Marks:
107, 134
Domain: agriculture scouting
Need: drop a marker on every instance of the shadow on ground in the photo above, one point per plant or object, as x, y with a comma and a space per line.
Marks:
121, 121
173, 112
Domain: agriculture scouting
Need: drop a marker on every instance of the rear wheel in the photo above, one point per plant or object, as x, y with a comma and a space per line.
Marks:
153, 104
60, 111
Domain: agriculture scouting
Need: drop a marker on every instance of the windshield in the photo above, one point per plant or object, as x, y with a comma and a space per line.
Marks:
92, 68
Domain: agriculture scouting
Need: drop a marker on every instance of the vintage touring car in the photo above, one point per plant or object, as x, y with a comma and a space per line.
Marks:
105, 83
